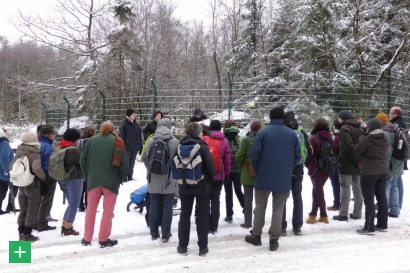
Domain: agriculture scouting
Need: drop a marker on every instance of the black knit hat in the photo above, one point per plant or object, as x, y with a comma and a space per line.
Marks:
215, 125
130, 112
71, 134
344, 114
290, 119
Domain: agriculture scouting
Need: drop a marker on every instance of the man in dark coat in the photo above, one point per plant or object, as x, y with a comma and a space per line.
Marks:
349, 167
130, 133
198, 116
274, 153
152, 125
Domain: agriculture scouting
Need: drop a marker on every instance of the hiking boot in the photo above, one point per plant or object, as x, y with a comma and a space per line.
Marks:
332, 208
30, 237
165, 238
70, 231
203, 251
85, 243
311, 219
284, 232
228, 219
393, 215
46, 228
273, 245
324, 219
381, 229
108, 243
253, 239
182, 250
245, 225
297, 231
351, 216
340, 218
363, 231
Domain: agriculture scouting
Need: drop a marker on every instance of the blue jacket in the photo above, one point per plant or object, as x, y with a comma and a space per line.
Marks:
46, 149
6, 157
274, 153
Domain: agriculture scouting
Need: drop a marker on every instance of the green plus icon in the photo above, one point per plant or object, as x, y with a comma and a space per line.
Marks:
19, 252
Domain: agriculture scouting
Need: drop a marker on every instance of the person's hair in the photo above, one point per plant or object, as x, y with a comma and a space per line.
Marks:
89, 131
191, 128
397, 110
205, 130
277, 113
256, 126
39, 128
357, 117
320, 122
229, 123
336, 124
106, 128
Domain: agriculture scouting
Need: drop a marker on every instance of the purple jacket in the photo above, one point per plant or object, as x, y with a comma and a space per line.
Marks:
316, 143
225, 154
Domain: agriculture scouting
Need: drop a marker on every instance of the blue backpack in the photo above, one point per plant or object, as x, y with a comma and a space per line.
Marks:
187, 165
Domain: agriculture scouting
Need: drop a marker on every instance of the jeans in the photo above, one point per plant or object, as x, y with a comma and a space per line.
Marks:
215, 205
401, 190
374, 185
155, 206
235, 180
72, 190
334, 179
202, 220
297, 216
392, 195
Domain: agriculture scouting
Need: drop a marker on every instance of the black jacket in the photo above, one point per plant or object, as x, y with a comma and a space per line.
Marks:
399, 120
350, 132
150, 129
195, 119
203, 188
130, 133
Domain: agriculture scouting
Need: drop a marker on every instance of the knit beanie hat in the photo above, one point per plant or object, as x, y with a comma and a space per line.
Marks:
290, 119
383, 118
215, 125
164, 122
28, 138
374, 124
344, 114
130, 112
71, 134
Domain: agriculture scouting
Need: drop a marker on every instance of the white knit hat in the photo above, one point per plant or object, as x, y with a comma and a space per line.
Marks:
28, 138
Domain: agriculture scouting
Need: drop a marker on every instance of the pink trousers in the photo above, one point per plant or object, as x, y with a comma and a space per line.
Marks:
94, 197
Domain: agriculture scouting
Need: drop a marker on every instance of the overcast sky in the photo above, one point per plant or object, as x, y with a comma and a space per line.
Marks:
186, 9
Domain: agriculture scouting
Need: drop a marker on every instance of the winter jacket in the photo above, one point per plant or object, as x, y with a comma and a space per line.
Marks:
274, 153
72, 161
232, 132
152, 125
395, 166
203, 188
33, 155
301, 134
350, 132
399, 120
336, 142
130, 133
162, 184
371, 150
225, 154
96, 163
6, 157
195, 119
316, 143
242, 158
46, 149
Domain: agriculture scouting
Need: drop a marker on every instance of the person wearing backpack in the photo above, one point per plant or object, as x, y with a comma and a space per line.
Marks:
334, 177
319, 136
248, 177
6, 157
104, 162
231, 132
297, 175
29, 196
349, 167
193, 186
161, 186
371, 150
219, 149
72, 186
130, 133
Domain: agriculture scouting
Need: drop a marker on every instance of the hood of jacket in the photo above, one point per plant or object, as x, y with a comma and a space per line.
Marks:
24, 149
390, 127
377, 137
163, 133
188, 140
216, 134
352, 122
324, 134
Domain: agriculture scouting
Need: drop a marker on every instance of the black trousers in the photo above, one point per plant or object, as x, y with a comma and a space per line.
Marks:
132, 155
4, 187
215, 205
374, 185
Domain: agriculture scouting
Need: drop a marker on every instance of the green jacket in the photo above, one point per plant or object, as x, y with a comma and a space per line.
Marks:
96, 163
242, 158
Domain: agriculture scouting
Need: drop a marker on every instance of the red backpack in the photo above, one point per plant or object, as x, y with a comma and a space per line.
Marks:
214, 146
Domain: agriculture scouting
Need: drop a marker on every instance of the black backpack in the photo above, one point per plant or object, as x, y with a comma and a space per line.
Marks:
158, 158
327, 161
401, 145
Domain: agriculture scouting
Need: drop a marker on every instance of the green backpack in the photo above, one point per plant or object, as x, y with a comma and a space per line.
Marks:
56, 168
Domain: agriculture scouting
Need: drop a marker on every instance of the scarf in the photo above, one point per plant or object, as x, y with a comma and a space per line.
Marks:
66, 143
118, 151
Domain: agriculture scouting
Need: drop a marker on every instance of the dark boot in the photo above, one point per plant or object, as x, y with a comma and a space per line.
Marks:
273, 245
27, 236
252, 239
21, 232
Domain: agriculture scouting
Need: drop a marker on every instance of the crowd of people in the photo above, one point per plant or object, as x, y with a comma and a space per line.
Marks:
268, 160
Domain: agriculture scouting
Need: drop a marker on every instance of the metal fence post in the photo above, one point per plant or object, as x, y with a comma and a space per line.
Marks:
155, 93
104, 105
68, 111
229, 96
389, 89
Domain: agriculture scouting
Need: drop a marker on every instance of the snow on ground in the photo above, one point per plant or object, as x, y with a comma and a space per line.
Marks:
322, 248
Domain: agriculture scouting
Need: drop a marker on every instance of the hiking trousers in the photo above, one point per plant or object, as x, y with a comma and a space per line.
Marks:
348, 182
